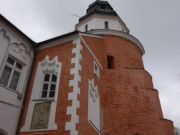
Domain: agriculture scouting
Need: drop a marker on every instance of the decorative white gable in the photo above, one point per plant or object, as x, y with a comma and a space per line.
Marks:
93, 106
36, 101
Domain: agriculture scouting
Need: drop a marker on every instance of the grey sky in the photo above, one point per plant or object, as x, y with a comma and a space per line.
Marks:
156, 23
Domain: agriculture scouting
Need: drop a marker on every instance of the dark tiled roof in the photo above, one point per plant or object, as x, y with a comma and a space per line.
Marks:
99, 7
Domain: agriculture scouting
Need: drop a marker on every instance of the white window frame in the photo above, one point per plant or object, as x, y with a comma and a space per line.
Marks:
45, 66
96, 70
13, 68
49, 84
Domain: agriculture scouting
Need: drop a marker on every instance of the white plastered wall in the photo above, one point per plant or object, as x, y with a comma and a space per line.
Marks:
16, 45
98, 23
8, 124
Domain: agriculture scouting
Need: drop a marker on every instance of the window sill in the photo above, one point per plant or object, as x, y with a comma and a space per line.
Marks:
15, 91
49, 100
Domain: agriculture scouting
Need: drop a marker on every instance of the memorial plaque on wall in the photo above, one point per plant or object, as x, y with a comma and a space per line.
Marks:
40, 117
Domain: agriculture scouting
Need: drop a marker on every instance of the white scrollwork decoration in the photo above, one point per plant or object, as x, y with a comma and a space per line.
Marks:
20, 48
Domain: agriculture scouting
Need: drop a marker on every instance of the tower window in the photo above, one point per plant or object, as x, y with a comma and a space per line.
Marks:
110, 62
106, 25
86, 28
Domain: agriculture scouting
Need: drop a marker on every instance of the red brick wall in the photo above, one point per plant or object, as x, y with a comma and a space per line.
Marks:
64, 53
129, 107
129, 103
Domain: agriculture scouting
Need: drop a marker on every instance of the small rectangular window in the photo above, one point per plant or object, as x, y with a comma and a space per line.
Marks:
11, 74
106, 25
110, 62
86, 28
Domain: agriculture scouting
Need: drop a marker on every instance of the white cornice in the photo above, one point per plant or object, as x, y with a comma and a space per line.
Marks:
122, 35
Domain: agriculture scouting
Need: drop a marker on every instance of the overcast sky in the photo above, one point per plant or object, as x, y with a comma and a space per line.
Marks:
156, 23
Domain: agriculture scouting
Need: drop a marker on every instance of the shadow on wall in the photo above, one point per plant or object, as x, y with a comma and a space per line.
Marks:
2, 132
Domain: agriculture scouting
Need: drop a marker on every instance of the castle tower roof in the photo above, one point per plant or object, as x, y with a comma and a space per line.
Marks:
99, 7
101, 16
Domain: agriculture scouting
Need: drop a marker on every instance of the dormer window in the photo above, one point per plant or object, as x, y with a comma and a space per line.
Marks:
106, 25
86, 28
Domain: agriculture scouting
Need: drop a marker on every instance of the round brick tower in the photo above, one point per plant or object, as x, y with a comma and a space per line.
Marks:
92, 82
129, 103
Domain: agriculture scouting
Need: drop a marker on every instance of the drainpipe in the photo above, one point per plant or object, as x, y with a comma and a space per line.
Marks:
26, 91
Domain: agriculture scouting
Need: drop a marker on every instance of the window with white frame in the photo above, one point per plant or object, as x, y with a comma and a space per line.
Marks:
96, 70
11, 73
49, 85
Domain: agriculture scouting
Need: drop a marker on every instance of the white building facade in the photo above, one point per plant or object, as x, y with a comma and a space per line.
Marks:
15, 64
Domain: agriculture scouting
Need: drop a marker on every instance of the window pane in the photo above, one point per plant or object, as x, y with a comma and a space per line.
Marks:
14, 80
54, 78
45, 87
5, 76
106, 25
10, 61
52, 93
18, 66
53, 87
44, 94
47, 76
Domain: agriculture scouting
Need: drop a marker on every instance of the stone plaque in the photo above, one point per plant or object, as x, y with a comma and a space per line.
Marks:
40, 117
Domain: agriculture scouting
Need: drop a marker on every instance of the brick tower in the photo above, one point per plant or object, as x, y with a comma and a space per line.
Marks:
92, 81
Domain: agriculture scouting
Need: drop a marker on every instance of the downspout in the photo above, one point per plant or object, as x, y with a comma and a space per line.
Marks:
26, 91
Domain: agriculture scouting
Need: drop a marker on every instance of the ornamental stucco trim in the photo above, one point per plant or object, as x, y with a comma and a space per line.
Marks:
93, 106
72, 96
5, 34
44, 66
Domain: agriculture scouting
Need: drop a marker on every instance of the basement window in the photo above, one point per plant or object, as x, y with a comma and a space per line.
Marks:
106, 25
110, 62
